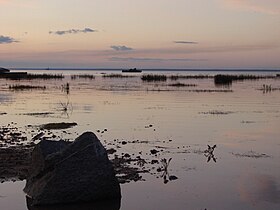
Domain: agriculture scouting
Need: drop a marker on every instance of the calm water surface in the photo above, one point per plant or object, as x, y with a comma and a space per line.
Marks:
244, 124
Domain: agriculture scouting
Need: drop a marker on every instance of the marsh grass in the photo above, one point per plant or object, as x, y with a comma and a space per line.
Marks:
221, 79
176, 77
44, 76
66, 88
192, 90
26, 87
117, 76
166, 177
82, 76
178, 84
154, 77
65, 108
26, 76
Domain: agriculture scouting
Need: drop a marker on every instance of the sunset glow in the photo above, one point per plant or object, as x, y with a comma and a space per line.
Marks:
143, 34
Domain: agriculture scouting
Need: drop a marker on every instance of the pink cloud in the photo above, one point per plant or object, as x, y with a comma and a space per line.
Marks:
17, 3
271, 7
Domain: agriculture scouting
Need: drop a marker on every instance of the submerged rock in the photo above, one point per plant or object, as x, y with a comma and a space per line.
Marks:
64, 172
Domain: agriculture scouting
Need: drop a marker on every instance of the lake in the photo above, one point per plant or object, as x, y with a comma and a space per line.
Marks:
177, 118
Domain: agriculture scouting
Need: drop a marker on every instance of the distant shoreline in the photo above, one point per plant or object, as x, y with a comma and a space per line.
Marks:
186, 70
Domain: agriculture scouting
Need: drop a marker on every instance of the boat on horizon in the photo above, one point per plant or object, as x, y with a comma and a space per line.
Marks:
132, 70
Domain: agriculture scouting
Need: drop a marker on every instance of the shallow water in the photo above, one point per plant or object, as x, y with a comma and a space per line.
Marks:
244, 124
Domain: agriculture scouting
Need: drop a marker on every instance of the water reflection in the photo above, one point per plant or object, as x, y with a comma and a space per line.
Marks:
165, 175
100, 205
65, 108
266, 88
177, 115
66, 88
259, 188
4, 98
209, 153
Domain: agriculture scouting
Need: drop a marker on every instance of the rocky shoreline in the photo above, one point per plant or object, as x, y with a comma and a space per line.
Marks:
15, 157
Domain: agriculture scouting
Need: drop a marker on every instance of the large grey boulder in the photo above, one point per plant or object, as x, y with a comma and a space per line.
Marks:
64, 172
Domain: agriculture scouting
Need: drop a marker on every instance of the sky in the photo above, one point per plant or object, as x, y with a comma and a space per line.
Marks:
177, 34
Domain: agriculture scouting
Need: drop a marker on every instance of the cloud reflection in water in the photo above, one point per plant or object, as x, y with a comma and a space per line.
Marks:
259, 188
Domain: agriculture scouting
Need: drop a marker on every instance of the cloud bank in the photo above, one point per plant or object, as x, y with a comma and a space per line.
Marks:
6, 40
270, 7
185, 42
137, 59
121, 48
72, 31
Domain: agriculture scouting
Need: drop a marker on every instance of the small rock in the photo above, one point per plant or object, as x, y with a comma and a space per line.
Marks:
126, 155
111, 151
172, 177
154, 162
154, 151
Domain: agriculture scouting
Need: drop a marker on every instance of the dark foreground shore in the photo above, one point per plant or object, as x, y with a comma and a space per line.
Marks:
15, 158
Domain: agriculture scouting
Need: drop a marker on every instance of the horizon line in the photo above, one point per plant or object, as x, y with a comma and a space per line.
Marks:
151, 69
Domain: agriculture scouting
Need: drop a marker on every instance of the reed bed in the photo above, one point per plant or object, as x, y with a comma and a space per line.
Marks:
154, 78
228, 79
21, 76
192, 90
26, 87
44, 76
178, 84
82, 76
116, 76
176, 77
